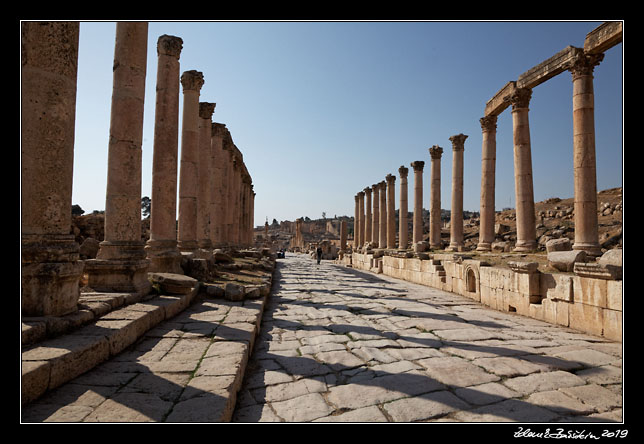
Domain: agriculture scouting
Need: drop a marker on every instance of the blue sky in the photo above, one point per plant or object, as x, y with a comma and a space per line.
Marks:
321, 110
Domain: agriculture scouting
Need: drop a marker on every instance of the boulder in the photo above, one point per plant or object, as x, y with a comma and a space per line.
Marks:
565, 260
171, 283
89, 248
562, 244
234, 292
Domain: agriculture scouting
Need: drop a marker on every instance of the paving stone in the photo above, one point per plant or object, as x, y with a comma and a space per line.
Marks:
366, 414
456, 371
540, 382
426, 406
303, 408
488, 393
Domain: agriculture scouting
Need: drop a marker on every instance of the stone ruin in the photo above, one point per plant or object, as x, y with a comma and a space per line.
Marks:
215, 191
588, 297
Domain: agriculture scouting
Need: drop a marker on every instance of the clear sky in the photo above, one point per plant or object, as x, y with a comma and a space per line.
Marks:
321, 110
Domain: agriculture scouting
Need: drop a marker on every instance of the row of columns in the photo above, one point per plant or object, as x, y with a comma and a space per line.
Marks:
215, 192
378, 229
584, 164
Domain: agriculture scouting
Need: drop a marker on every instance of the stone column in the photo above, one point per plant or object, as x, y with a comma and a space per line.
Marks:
205, 178
121, 263
403, 227
368, 220
382, 238
417, 234
526, 227
391, 208
162, 247
361, 215
456, 222
343, 235
488, 166
356, 221
192, 81
234, 202
375, 225
584, 163
50, 265
435, 153
217, 168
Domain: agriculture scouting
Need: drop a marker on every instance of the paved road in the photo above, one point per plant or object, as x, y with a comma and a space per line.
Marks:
338, 344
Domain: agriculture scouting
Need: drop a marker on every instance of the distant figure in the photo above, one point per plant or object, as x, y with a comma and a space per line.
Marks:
319, 254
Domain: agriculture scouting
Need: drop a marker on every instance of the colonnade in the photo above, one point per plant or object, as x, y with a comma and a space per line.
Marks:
215, 191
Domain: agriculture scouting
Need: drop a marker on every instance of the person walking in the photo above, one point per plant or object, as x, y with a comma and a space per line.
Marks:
318, 251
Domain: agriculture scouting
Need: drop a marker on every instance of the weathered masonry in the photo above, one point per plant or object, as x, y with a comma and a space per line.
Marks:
210, 185
589, 296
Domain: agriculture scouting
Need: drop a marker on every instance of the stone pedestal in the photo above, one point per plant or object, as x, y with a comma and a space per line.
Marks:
526, 223
50, 265
488, 177
584, 163
456, 222
382, 237
161, 248
121, 263
375, 225
391, 211
403, 230
192, 81
417, 235
435, 153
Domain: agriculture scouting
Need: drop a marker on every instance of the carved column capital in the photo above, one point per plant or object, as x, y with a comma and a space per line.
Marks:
192, 80
583, 64
488, 123
375, 187
436, 152
520, 98
367, 191
418, 165
169, 45
206, 110
390, 179
361, 194
458, 142
403, 170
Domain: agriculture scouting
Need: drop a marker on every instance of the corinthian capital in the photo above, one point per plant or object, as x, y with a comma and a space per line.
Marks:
458, 142
169, 45
436, 152
403, 170
583, 64
520, 98
488, 123
192, 80
418, 165
206, 109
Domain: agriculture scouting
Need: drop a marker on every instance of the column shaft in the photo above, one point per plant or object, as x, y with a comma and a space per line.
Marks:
435, 198
206, 178
382, 238
375, 225
488, 177
391, 211
361, 215
403, 226
417, 235
368, 216
456, 218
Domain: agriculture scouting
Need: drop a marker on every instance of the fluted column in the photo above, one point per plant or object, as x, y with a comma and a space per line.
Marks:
391, 211
584, 163
206, 178
375, 225
403, 228
192, 81
361, 215
121, 263
435, 153
162, 247
382, 238
488, 178
368, 216
50, 265
417, 234
456, 219
526, 226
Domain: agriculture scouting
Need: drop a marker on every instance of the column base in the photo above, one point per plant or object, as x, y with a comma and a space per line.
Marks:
118, 275
484, 246
592, 249
164, 256
525, 246
454, 247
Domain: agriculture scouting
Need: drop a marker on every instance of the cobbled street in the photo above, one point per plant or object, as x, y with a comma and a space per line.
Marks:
337, 344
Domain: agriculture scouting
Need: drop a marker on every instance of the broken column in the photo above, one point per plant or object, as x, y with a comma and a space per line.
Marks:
49, 254
121, 263
417, 234
192, 81
403, 234
526, 227
391, 208
456, 218
435, 153
368, 220
488, 167
382, 237
162, 248
205, 178
375, 225
584, 163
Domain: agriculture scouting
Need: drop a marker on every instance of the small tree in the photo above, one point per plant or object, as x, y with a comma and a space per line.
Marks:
77, 210
146, 206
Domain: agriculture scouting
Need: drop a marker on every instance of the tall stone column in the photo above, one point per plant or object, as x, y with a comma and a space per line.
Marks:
162, 247
391, 211
417, 234
435, 153
584, 163
234, 202
356, 221
361, 214
368, 217
205, 178
382, 238
216, 206
526, 226
456, 222
403, 227
488, 177
121, 263
343, 235
375, 225
50, 265
192, 81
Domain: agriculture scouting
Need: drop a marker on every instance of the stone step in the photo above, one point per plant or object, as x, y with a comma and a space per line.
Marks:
50, 362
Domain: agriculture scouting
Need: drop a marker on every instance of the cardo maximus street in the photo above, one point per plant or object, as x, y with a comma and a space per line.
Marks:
191, 316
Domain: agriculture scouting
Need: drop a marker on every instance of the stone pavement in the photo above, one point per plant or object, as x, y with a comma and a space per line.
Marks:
337, 344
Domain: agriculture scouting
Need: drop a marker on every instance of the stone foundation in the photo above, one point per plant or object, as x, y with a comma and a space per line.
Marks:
590, 304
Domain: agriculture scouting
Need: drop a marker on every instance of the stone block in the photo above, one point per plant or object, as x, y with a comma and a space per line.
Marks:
614, 295
586, 318
171, 283
562, 244
558, 287
565, 260
612, 325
